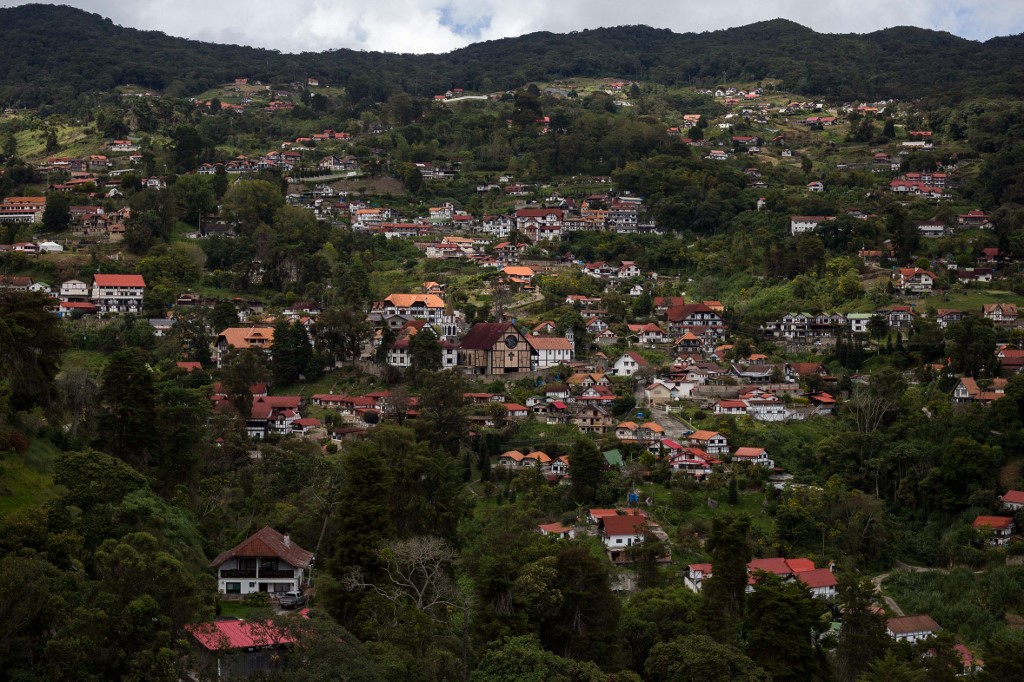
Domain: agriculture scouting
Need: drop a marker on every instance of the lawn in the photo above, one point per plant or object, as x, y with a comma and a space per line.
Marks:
237, 609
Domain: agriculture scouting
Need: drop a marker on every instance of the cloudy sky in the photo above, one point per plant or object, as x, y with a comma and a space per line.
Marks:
443, 25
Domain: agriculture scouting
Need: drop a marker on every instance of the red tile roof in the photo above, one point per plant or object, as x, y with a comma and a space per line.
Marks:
993, 522
1014, 496
819, 577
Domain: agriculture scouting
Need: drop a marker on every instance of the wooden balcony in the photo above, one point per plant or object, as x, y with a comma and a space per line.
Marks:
252, 573
238, 573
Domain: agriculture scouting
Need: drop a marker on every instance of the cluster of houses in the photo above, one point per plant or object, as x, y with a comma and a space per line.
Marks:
799, 327
597, 212
107, 295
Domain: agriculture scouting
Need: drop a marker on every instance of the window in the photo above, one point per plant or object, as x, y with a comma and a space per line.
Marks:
233, 588
618, 541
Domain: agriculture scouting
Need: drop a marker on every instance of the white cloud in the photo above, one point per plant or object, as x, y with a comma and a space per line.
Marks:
442, 25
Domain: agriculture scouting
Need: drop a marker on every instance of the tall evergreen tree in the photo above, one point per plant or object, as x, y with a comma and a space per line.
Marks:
725, 590
782, 623
863, 638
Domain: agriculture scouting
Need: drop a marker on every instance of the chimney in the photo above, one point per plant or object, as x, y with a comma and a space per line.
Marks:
287, 540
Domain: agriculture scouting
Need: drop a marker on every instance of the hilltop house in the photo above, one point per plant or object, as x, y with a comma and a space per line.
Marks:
266, 561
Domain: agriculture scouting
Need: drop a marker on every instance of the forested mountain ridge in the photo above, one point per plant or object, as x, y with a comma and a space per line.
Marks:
902, 62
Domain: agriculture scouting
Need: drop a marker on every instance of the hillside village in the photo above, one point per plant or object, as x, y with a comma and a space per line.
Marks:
577, 346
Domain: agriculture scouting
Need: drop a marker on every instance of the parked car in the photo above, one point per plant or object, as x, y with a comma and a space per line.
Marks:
292, 600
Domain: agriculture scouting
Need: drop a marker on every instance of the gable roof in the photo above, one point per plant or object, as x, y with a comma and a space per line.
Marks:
622, 525
243, 337
993, 522
408, 300
483, 335
819, 577
267, 542
909, 624
1013, 497
550, 342
635, 356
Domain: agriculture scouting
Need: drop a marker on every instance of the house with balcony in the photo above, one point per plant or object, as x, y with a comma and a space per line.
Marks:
915, 280
115, 294
242, 338
267, 561
755, 456
710, 442
1000, 313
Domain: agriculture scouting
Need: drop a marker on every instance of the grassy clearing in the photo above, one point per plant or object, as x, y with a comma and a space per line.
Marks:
975, 606
26, 480
93, 360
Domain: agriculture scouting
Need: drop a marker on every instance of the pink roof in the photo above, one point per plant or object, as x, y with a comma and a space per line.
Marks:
239, 634
118, 280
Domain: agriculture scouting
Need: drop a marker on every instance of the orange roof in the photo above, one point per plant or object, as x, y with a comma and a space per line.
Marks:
246, 337
703, 435
518, 271
408, 300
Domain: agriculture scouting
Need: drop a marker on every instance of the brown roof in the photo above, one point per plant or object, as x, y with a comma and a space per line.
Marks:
622, 525
483, 335
265, 543
908, 624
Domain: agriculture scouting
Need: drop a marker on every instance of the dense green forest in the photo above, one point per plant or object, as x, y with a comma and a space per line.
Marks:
903, 62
